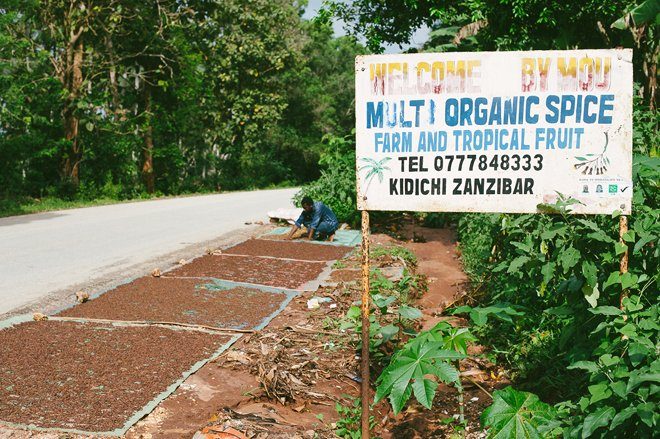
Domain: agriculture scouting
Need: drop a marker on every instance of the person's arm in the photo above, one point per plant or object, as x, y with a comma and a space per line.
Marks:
294, 229
296, 226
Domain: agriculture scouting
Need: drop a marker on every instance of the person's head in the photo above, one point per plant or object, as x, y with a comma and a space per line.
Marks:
307, 204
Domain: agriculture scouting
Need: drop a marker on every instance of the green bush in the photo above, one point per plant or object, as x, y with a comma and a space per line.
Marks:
336, 186
558, 313
572, 310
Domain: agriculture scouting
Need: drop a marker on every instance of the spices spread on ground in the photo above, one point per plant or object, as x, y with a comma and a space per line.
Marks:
305, 251
191, 301
90, 376
252, 269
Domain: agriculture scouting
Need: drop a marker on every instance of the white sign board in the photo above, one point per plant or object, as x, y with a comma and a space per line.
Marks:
495, 131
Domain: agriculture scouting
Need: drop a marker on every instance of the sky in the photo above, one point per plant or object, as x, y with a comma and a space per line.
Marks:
417, 39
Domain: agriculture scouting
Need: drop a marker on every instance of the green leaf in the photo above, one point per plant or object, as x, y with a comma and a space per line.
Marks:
628, 280
599, 392
526, 248
461, 310
629, 236
619, 388
608, 360
591, 294
637, 378
620, 248
589, 366
410, 313
599, 418
637, 352
478, 317
446, 372
645, 412
382, 302
389, 332
416, 359
590, 273
622, 416
606, 310
548, 271
646, 12
515, 414
517, 263
569, 258
353, 312
424, 389
614, 278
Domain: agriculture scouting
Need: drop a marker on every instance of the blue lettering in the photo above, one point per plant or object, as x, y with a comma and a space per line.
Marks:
451, 112
551, 103
374, 115
602, 117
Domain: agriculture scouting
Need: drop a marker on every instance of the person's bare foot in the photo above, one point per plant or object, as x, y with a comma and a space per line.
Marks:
331, 238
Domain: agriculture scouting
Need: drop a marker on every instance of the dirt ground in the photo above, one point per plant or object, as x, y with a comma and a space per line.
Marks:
284, 381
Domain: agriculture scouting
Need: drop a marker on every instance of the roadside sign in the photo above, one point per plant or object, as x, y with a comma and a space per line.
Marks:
495, 131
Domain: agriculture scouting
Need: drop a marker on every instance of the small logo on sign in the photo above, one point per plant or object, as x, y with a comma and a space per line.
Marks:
614, 188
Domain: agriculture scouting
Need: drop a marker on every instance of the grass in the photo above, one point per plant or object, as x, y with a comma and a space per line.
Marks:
28, 205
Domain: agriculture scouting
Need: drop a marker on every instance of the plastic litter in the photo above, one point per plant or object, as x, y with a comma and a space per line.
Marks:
315, 302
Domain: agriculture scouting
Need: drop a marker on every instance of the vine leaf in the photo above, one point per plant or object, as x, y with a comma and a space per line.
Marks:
599, 418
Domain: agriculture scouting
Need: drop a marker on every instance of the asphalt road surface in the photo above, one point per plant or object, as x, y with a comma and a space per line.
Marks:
47, 252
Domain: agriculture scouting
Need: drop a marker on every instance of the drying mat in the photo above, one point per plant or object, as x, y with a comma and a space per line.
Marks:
299, 250
272, 272
349, 238
91, 377
189, 301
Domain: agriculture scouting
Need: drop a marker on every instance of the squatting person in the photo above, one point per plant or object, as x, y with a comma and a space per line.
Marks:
319, 220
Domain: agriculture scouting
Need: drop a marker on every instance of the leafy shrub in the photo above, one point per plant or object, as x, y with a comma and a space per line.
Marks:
430, 353
336, 186
348, 425
556, 305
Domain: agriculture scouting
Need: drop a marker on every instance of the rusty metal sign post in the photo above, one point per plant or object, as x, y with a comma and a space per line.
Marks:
364, 359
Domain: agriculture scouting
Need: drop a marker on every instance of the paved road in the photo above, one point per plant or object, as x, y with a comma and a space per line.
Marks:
47, 252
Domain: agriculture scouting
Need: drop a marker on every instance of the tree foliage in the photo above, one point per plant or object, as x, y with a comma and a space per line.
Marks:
114, 98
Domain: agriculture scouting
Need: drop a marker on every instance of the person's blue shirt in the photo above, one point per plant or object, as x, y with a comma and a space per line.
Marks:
321, 214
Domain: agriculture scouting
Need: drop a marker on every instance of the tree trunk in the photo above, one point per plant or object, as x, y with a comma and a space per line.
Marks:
73, 79
147, 151
651, 71
112, 72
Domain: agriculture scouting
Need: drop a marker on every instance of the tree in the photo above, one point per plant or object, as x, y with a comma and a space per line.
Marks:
511, 25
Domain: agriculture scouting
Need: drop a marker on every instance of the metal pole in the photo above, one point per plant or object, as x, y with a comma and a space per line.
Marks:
623, 264
365, 388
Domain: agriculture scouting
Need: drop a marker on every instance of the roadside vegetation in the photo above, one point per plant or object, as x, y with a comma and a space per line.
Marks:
126, 100
548, 300
103, 101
